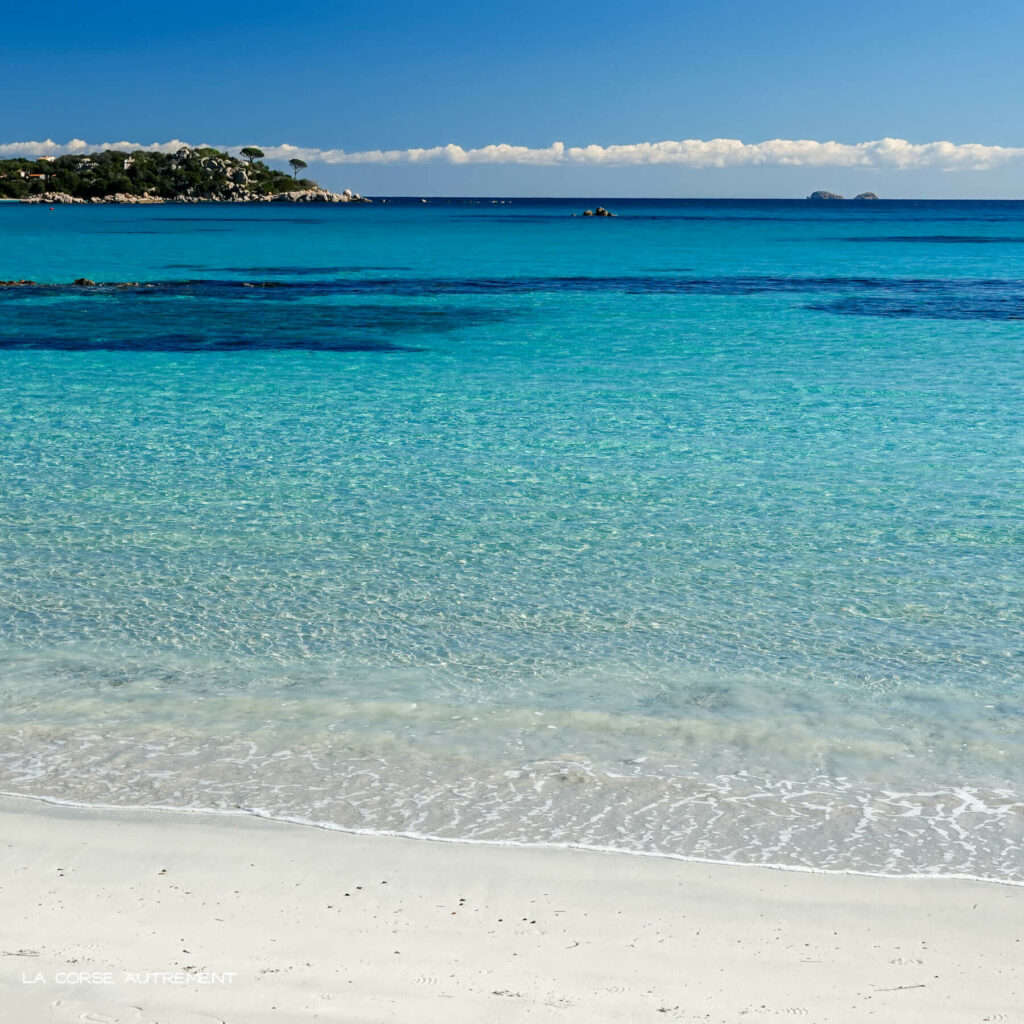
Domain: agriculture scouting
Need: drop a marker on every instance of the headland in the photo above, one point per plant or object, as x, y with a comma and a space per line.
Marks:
203, 175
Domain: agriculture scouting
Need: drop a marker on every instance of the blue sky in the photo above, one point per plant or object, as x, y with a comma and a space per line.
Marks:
395, 76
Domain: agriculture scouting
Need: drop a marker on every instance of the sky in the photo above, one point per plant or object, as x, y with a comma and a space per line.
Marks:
542, 98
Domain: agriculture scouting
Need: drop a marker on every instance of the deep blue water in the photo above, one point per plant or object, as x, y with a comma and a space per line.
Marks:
697, 530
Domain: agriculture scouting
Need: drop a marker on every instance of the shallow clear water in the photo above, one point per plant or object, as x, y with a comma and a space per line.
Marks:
697, 531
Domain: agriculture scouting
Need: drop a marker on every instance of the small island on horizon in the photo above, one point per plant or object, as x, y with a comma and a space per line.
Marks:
822, 194
203, 175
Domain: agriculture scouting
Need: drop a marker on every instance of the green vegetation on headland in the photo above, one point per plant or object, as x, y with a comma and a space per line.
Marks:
189, 175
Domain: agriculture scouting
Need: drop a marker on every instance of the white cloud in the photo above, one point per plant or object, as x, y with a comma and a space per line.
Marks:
895, 154
34, 150
693, 153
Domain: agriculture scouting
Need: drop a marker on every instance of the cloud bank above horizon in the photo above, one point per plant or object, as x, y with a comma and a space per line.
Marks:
892, 154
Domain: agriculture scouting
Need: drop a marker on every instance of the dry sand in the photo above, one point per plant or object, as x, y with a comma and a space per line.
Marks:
273, 922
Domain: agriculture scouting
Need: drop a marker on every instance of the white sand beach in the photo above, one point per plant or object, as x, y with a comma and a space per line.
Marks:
173, 918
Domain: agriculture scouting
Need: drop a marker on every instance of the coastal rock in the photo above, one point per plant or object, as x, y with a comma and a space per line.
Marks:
308, 195
588, 213
16, 284
866, 195
84, 282
599, 212
319, 195
822, 194
129, 198
52, 198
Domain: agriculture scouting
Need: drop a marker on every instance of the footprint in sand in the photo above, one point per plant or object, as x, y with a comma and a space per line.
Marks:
127, 1015
557, 1002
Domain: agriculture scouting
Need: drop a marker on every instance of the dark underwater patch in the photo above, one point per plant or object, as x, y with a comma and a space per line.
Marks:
663, 283
286, 271
142, 321
236, 220
204, 343
929, 306
409, 287
303, 271
299, 303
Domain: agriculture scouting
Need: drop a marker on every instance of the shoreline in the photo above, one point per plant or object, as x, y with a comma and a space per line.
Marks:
255, 813
144, 915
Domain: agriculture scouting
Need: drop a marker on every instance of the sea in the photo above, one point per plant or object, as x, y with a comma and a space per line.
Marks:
697, 531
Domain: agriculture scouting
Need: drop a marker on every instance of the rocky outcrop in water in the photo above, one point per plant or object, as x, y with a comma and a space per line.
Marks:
822, 194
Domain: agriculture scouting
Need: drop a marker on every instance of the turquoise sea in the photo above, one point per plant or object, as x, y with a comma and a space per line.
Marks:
698, 531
